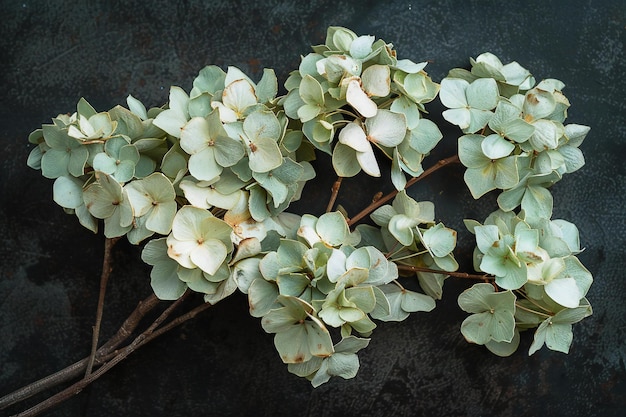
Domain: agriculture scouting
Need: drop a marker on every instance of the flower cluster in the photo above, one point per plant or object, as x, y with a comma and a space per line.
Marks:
515, 141
323, 276
212, 172
354, 89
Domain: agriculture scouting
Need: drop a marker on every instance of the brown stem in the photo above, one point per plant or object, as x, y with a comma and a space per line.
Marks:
483, 277
74, 370
88, 379
166, 328
375, 204
104, 278
335, 192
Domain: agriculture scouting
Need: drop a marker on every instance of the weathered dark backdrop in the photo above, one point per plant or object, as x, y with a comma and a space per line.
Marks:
222, 363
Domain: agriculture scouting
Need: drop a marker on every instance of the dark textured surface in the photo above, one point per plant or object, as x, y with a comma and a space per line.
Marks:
222, 363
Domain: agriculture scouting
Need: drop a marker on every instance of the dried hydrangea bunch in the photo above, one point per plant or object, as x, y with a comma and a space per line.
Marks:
206, 180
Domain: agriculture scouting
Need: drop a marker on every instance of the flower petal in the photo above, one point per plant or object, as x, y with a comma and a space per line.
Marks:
359, 99
354, 136
368, 163
209, 255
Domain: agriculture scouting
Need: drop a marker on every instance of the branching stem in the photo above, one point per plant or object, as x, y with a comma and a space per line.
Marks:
374, 205
521, 307
117, 358
74, 370
334, 193
482, 277
104, 279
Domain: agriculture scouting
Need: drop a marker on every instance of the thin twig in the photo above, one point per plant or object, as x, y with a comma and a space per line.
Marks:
521, 307
88, 379
440, 164
75, 369
483, 277
177, 321
530, 300
104, 279
333, 195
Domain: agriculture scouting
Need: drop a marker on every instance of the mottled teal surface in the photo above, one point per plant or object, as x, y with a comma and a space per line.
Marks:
223, 363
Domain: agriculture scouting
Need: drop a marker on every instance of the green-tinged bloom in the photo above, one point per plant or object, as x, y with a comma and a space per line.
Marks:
300, 336
118, 159
489, 163
199, 240
153, 198
106, 199
493, 314
470, 104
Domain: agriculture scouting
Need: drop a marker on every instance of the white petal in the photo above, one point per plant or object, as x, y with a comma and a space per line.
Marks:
179, 100
377, 80
194, 136
564, 291
359, 99
209, 255
460, 117
336, 265
452, 93
368, 163
239, 95
226, 115
224, 201
197, 196
386, 128
180, 251
354, 136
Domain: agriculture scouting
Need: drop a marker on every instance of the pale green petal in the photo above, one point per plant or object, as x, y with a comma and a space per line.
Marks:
376, 80
209, 255
367, 161
261, 297
104, 163
361, 46
440, 240
311, 91
161, 217
203, 166
195, 136
264, 154
495, 147
482, 94
345, 161
479, 180
539, 103
353, 136
458, 116
68, 192
452, 93
425, 136
386, 128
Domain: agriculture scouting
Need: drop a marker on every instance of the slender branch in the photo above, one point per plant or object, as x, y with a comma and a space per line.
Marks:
104, 279
521, 307
166, 328
75, 369
533, 302
483, 277
335, 192
440, 164
88, 379
395, 281
178, 321
409, 256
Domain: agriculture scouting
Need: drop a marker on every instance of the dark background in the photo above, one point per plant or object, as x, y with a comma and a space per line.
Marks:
222, 363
